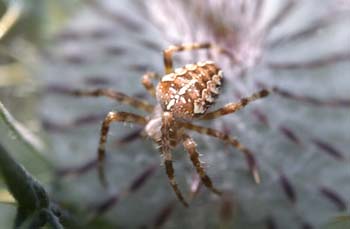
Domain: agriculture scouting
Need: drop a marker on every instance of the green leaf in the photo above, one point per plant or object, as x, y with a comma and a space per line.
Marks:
19, 182
24, 145
34, 208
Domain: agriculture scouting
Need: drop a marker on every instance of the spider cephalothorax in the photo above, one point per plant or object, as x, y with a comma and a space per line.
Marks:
183, 95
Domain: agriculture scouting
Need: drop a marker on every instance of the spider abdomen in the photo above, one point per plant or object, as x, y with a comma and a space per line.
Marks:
189, 91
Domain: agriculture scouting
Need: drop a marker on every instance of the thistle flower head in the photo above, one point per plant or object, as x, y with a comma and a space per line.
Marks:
299, 148
234, 25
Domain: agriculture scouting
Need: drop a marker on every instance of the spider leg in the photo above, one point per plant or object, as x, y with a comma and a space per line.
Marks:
115, 95
147, 82
233, 107
168, 53
190, 147
231, 140
170, 173
112, 117
165, 143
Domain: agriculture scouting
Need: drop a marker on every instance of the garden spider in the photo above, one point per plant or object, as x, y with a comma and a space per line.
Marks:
183, 95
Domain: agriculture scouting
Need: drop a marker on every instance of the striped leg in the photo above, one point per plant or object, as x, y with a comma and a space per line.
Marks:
170, 173
112, 117
233, 107
166, 141
168, 53
230, 140
190, 147
115, 95
147, 82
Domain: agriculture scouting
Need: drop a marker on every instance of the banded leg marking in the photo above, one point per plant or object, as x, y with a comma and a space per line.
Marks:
112, 117
115, 95
147, 82
233, 107
230, 140
190, 147
168, 53
170, 173
165, 143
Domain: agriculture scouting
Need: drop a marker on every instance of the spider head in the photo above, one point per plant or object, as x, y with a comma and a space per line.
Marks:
189, 91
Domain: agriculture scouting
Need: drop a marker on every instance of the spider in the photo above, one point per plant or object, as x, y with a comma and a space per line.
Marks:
183, 95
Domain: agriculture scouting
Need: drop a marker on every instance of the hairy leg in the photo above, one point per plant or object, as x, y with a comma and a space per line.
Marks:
168, 53
170, 173
113, 117
190, 147
230, 140
115, 95
147, 82
233, 107
165, 150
